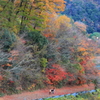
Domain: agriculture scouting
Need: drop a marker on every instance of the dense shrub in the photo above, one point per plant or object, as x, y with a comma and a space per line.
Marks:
37, 38
7, 39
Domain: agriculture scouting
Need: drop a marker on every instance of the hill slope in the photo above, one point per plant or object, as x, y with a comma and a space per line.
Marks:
85, 11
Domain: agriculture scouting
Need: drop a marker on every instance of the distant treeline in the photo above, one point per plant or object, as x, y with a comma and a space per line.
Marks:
85, 11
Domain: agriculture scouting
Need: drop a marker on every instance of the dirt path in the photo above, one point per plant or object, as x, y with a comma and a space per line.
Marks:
44, 93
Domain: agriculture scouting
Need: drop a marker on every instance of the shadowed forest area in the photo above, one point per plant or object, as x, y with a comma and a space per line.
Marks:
48, 43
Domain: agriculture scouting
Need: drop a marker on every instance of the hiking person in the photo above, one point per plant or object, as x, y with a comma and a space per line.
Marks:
52, 91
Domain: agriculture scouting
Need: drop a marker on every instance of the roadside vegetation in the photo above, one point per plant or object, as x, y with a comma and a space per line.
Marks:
39, 47
85, 96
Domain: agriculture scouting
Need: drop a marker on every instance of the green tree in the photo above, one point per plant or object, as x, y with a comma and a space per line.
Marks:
18, 15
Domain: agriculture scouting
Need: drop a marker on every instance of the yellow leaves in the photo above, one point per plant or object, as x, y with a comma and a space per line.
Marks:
56, 23
15, 30
1, 9
81, 49
31, 87
80, 26
40, 4
60, 4
63, 20
52, 5
85, 53
87, 48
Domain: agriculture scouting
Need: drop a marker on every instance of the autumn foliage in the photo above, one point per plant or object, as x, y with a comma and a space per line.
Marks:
56, 23
81, 26
55, 74
1, 78
44, 47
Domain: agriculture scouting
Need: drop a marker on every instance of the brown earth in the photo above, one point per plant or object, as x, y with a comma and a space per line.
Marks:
45, 93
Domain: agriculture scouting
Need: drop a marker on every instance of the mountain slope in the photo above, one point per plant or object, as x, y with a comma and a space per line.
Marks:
85, 11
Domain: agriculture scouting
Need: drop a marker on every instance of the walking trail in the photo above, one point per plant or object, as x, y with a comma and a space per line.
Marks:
44, 93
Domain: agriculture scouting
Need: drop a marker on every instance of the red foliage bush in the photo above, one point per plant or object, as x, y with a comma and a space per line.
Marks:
1, 78
56, 73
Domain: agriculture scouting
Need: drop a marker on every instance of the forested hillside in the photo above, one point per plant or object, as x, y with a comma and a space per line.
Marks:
97, 1
40, 47
86, 11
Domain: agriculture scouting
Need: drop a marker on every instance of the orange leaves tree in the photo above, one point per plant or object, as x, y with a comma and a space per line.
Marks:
81, 26
55, 74
18, 15
58, 76
62, 21
55, 23
86, 51
71, 49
